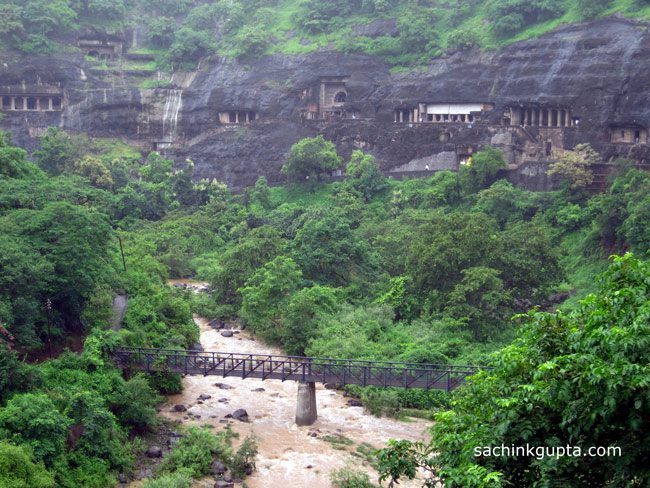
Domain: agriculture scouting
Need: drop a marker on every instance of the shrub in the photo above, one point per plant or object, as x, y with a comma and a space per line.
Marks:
32, 419
134, 404
18, 469
180, 479
196, 450
347, 478
381, 402
244, 458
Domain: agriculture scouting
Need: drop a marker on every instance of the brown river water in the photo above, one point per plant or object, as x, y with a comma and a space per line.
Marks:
289, 456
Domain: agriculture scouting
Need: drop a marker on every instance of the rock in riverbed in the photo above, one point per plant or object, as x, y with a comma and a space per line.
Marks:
241, 415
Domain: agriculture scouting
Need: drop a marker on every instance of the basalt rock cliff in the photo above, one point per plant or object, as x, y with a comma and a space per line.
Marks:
237, 119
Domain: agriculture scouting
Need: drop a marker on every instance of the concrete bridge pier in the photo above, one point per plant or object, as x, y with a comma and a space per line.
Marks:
306, 413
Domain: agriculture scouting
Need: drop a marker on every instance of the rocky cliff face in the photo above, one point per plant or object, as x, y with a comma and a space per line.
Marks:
597, 72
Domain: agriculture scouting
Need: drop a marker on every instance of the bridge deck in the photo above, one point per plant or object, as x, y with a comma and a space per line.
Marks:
336, 371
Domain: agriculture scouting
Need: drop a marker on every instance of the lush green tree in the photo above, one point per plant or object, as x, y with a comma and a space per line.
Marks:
480, 299
160, 31
96, 434
364, 175
510, 16
309, 158
59, 151
506, 203
481, 169
416, 34
18, 469
315, 17
462, 40
636, 228
589, 9
164, 7
357, 333
74, 241
134, 404
15, 376
24, 277
32, 419
328, 252
218, 17
95, 170
266, 295
576, 379
529, 261
240, 261
190, 46
262, 193
574, 167
251, 41
106, 9
442, 249
305, 310
13, 163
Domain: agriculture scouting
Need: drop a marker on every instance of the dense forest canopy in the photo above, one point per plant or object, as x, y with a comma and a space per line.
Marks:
403, 32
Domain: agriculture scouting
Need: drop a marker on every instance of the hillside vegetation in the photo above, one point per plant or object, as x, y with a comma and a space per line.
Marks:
181, 32
427, 271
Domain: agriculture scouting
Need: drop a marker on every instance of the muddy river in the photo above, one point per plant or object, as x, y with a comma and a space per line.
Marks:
289, 456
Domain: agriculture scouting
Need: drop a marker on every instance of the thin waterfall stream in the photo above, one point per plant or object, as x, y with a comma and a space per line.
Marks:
173, 104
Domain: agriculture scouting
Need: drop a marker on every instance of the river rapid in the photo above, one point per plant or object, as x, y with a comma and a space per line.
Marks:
289, 456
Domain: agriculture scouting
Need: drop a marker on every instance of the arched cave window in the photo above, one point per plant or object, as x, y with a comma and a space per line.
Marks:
340, 97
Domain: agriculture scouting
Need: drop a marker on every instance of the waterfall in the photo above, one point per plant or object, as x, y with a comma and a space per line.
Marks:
173, 105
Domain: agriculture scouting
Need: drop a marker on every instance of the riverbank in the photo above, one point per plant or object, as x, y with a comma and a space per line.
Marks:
289, 455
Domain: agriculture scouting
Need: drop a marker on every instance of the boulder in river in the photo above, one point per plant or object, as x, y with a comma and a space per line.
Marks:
224, 386
224, 484
216, 324
154, 452
353, 402
240, 414
180, 408
204, 396
227, 333
218, 467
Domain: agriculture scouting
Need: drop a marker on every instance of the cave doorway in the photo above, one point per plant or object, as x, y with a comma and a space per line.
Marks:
340, 97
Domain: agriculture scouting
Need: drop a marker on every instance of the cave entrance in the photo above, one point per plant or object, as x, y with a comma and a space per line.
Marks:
340, 97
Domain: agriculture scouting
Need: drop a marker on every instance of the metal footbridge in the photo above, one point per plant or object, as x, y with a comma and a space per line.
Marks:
293, 368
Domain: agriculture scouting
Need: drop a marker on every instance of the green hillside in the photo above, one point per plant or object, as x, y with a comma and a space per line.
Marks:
183, 31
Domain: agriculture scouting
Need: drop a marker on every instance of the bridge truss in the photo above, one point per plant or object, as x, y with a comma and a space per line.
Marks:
294, 368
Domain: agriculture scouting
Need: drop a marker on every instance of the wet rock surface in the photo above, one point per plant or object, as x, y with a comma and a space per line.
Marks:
154, 452
600, 70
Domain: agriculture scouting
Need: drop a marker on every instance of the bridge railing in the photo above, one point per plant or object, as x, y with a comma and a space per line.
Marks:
325, 370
